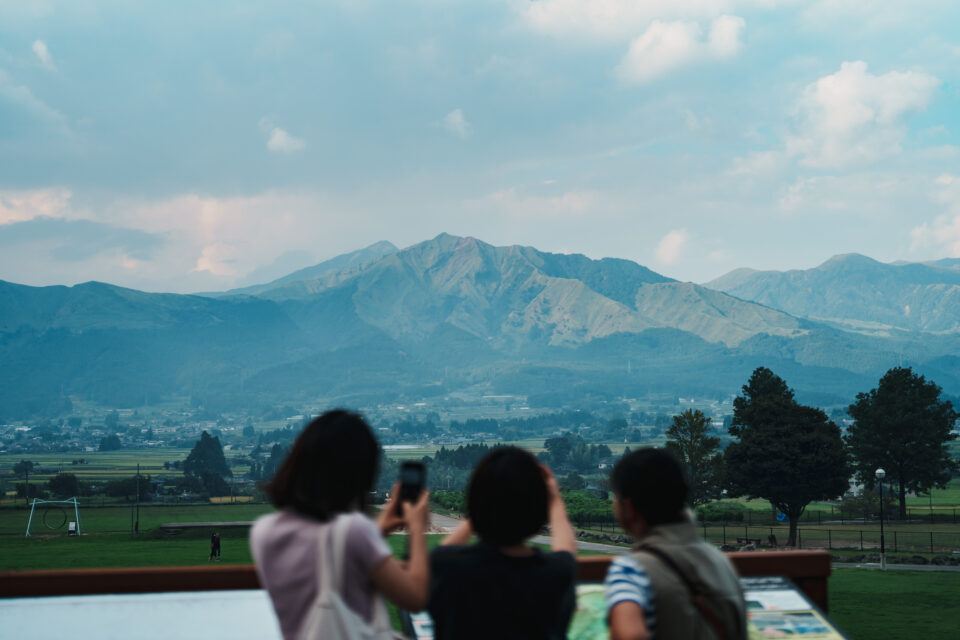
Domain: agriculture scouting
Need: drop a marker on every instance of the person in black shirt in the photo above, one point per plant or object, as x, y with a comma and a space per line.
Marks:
501, 587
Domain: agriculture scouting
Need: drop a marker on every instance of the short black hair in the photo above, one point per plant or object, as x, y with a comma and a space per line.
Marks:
330, 469
654, 481
507, 497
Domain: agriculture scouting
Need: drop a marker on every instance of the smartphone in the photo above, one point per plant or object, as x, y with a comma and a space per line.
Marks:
413, 480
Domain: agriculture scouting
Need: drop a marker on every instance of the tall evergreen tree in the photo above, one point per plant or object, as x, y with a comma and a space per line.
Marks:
689, 438
903, 426
787, 453
207, 455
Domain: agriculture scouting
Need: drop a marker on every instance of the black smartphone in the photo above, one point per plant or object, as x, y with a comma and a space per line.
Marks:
413, 480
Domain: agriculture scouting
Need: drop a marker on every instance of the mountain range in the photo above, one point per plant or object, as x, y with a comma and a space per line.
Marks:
457, 315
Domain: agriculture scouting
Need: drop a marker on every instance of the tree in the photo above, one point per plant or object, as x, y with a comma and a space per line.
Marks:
574, 482
688, 437
23, 468
64, 485
127, 488
207, 455
903, 426
787, 453
110, 443
112, 420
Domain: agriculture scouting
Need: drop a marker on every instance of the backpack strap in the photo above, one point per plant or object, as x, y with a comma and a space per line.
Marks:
698, 595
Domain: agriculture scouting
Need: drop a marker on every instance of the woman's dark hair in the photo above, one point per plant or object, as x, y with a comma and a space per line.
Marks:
330, 469
653, 480
507, 497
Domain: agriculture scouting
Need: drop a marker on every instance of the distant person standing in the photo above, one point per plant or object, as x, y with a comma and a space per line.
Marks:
213, 546
673, 584
216, 545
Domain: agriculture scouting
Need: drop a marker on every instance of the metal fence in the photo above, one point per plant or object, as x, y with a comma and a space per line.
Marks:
850, 537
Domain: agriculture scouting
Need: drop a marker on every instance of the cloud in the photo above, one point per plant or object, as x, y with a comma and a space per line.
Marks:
758, 163
666, 46
25, 117
611, 19
943, 234
457, 124
218, 258
516, 203
77, 240
853, 116
279, 140
43, 54
19, 206
671, 246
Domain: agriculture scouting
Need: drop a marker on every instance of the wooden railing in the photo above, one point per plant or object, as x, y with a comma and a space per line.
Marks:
808, 569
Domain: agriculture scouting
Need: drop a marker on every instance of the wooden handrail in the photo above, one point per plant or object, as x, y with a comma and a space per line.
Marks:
808, 569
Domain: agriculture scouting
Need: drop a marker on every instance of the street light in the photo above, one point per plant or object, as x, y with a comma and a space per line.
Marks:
883, 551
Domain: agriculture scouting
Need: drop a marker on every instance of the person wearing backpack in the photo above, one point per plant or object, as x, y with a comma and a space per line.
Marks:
324, 563
501, 587
673, 584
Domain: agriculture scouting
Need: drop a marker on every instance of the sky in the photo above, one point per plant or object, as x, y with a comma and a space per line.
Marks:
183, 146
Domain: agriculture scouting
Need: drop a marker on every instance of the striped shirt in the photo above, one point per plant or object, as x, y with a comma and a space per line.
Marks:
627, 581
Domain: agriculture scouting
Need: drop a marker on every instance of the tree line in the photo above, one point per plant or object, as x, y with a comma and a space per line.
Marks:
792, 454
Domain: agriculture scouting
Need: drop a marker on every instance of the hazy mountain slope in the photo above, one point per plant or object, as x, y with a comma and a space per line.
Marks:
858, 292
515, 296
339, 263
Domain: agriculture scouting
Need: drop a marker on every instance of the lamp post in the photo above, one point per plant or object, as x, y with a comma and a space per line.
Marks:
883, 551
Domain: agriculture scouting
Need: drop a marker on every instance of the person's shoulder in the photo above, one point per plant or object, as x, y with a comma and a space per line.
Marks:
453, 552
560, 559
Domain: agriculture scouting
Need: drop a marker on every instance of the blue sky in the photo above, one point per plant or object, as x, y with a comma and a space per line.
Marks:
195, 146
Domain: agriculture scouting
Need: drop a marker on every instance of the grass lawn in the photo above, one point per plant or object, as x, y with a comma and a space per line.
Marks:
895, 604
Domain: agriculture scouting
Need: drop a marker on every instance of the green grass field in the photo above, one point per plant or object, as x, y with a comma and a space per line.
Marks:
869, 604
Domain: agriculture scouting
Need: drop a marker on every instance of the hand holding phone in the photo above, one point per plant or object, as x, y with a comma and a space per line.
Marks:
413, 480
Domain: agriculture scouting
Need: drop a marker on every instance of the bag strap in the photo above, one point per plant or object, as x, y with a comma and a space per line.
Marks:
324, 570
697, 594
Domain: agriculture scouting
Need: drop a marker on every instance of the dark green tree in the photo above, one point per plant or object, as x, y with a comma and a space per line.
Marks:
110, 443
207, 455
787, 453
690, 440
903, 426
23, 468
214, 484
64, 485
112, 420
574, 482
127, 488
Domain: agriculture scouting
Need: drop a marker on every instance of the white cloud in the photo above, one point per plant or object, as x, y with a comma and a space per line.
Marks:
758, 163
853, 116
943, 234
279, 140
20, 206
521, 205
218, 258
43, 54
457, 124
611, 19
282, 142
671, 246
666, 46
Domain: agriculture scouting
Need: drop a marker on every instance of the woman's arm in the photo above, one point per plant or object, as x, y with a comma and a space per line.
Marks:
390, 519
561, 531
459, 536
407, 584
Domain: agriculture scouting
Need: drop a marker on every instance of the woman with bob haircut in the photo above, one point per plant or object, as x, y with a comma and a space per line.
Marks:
502, 587
328, 475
